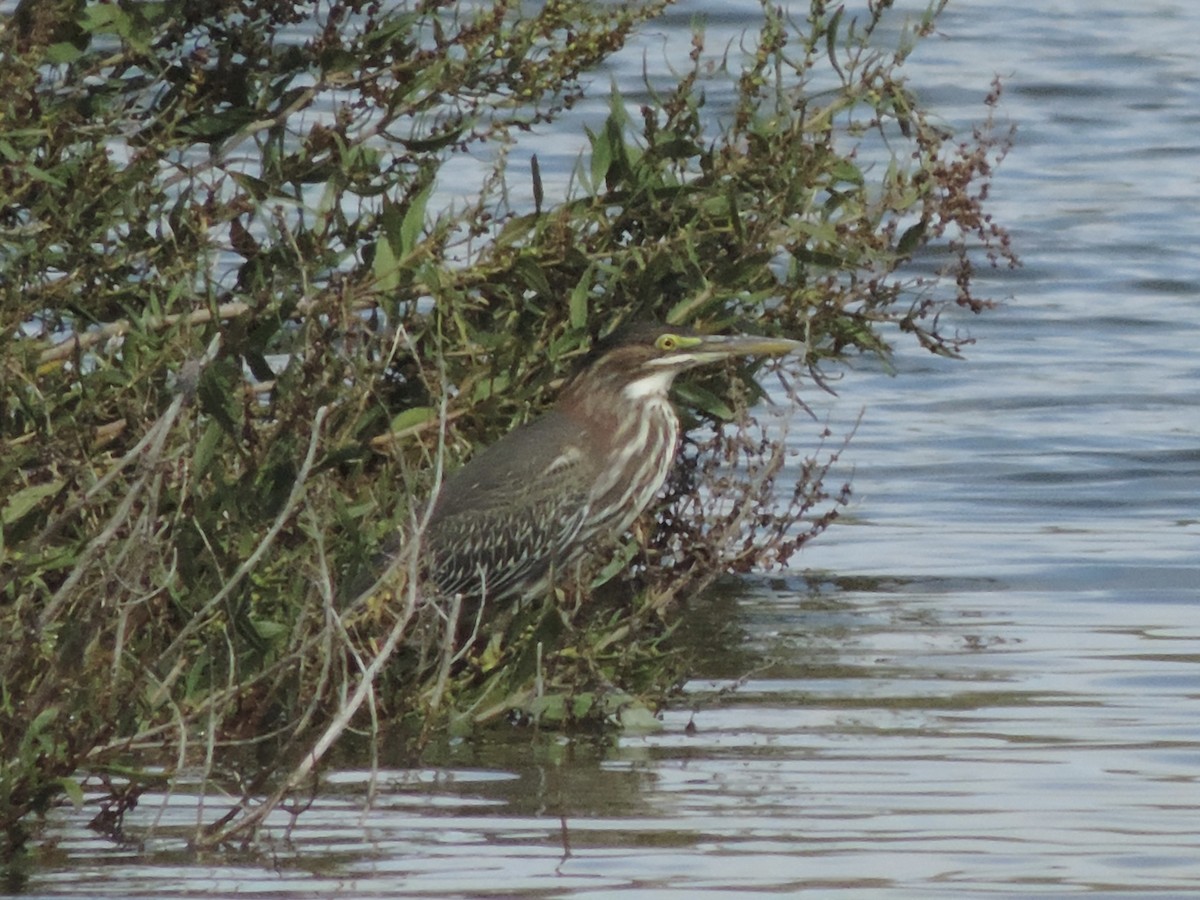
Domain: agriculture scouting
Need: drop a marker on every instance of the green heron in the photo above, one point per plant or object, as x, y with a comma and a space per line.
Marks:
532, 503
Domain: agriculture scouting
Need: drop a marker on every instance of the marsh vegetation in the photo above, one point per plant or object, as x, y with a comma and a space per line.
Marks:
240, 339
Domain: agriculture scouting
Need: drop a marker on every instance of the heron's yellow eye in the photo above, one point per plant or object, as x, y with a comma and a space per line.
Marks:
667, 343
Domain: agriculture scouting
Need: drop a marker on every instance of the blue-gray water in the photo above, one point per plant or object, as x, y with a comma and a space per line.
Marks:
987, 682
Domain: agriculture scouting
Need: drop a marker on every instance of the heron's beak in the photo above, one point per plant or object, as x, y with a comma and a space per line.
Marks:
710, 348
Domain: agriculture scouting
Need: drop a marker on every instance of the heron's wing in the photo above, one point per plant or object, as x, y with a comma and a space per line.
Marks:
513, 511
525, 464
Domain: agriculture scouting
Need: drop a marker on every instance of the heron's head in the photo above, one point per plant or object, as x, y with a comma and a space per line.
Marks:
642, 360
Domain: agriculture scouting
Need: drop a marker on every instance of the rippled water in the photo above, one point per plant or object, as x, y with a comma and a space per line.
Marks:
988, 682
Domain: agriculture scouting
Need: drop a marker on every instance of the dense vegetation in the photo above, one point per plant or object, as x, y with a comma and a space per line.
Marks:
242, 332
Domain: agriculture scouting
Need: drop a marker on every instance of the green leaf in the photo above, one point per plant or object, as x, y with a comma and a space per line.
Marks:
530, 272
32, 743
27, 498
271, 631
548, 709
581, 704
411, 418
104, 18
41, 175
846, 171
385, 267
62, 54
704, 400
638, 719
72, 789
602, 156
217, 393
414, 221
831, 40
490, 387
577, 301
911, 239
206, 449
620, 561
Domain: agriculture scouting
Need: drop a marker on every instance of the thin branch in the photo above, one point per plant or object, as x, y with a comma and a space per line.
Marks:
336, 727
88, 339
251, 562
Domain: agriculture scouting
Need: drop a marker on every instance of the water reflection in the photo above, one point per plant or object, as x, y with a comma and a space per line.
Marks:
912, 736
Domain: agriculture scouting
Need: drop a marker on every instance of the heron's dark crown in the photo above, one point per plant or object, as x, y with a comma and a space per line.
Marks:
632, 354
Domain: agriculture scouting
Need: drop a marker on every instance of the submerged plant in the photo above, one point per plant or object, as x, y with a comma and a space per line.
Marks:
242, 333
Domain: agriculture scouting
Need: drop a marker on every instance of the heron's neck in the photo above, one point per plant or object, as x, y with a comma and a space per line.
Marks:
607, 400
635, 431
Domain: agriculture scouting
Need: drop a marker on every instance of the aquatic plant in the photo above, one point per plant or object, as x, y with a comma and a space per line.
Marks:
243, 330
